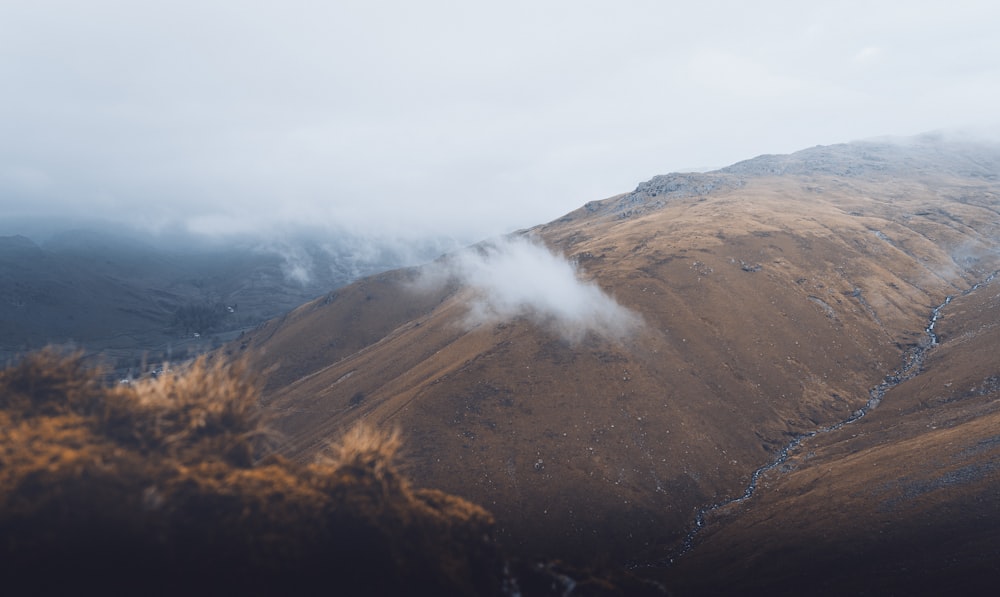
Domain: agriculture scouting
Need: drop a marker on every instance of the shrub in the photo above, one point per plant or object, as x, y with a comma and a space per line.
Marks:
170, 485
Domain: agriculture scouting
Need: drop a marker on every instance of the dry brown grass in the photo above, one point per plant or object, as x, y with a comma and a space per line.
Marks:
366, 448
166, 483
193, 411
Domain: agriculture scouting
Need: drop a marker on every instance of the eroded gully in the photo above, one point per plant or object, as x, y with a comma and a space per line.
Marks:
913, 360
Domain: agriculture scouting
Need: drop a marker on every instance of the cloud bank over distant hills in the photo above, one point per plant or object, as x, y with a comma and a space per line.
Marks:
408, 120
515, 277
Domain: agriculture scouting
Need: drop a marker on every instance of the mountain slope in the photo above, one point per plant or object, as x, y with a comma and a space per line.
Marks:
905, 498
773, 295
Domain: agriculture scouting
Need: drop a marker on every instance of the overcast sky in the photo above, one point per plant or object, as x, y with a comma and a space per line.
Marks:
459, 118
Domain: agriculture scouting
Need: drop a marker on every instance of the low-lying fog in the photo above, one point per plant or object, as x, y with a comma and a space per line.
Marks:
516, 276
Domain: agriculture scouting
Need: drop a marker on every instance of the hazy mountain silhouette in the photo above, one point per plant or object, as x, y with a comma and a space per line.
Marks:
127, 300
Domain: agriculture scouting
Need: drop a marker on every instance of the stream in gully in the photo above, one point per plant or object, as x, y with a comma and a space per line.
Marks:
913, 360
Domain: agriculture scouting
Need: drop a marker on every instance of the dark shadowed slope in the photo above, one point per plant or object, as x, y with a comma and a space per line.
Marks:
156, 488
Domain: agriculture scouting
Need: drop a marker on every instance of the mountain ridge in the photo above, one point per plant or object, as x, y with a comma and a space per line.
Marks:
771, 307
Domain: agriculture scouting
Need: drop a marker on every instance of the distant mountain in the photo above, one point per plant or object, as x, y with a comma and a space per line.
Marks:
762, 303
127, 301
926, 155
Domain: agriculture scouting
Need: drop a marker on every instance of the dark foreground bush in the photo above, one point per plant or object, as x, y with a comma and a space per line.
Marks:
158, 487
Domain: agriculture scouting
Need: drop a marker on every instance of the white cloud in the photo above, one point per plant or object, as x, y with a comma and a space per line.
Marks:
515, 277
741, 77
869, 55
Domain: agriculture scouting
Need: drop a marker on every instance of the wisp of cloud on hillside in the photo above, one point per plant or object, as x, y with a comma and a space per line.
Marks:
516, 277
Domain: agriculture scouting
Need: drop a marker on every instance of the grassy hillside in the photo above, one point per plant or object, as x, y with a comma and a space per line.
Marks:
773, 297
905, 498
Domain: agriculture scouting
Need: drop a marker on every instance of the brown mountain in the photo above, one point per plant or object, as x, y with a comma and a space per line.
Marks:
770, 300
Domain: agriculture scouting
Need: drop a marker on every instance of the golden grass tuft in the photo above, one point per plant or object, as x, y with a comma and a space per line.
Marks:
168, 483
48, 383
192, 411
366, 448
